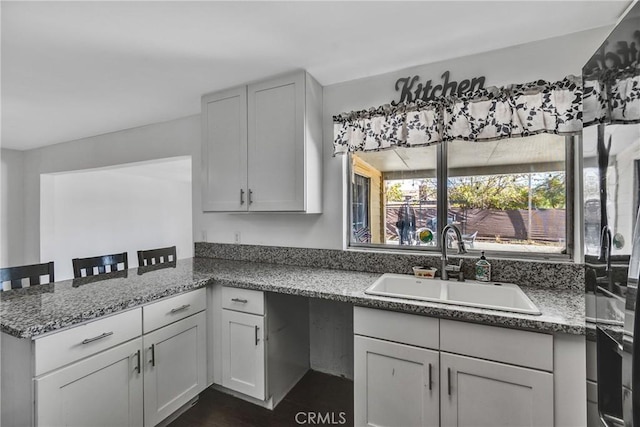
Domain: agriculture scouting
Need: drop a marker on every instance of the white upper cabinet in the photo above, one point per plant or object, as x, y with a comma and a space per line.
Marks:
224, 150
262, 147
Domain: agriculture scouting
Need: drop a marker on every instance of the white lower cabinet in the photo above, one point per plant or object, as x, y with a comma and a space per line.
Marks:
260, 343
175, 367
243, 361
396, 353
480, 393
102, 390
135, 368
395, 384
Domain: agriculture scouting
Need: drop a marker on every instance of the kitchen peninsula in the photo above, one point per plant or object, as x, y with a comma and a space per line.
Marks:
34, 315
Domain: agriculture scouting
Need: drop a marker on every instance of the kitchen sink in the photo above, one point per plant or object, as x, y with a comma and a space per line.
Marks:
404, 286
492, 295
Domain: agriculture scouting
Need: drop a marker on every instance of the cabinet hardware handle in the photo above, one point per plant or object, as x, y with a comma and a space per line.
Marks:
99, 337
250, 196
243, 301
430, 382
449, 381
182, 307
138, 361
257, 339
153, 355
241, 196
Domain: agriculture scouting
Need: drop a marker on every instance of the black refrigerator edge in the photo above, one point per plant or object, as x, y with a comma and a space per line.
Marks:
611, 194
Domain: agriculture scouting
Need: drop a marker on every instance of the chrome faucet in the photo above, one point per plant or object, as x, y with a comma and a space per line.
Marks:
461, 250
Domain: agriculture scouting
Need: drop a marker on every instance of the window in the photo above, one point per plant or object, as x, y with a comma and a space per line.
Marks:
360, 209
406, 185
508, 195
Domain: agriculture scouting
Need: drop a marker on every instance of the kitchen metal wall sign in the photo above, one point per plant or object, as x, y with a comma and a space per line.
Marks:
411, 89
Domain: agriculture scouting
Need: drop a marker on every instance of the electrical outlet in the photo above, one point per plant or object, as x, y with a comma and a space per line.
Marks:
204, 235
236, 237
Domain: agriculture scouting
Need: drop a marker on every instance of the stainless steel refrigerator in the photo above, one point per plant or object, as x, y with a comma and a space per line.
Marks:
611, 189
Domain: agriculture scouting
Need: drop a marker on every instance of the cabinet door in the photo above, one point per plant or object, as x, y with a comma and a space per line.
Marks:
175, 367
224, 150
479, 393
102, 390
395, 384
277, 144
243, 360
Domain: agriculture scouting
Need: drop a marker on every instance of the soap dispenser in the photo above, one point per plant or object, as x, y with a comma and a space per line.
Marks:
483, 269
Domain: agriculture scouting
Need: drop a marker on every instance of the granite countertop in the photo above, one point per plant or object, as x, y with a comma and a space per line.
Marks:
29, 312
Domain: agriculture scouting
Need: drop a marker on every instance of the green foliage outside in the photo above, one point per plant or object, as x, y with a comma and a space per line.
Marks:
394, 193
508, 192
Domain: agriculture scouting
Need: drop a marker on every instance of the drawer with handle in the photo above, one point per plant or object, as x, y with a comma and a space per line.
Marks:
244, 300
172, 309
61, 348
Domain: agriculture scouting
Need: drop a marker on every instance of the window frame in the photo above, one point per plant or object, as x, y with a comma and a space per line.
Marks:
367, 191
571, 143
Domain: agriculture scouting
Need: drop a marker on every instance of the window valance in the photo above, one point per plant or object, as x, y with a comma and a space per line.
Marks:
612, 96
488, 114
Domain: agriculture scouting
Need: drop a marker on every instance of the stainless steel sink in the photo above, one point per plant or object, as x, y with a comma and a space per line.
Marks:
495, 296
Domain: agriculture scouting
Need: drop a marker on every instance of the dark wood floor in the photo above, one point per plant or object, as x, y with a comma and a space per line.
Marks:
316, 393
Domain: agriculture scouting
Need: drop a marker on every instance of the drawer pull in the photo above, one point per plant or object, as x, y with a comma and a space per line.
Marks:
257, 339
240, 300
182, 307
153, 355
138, 361
430, 381
99, 337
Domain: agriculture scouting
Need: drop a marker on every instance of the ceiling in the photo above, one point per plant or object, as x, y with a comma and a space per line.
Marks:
537, 152
77, 69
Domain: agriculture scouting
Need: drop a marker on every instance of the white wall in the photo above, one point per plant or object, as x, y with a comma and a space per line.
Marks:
550, 59
180, 137
104, 211
12, 208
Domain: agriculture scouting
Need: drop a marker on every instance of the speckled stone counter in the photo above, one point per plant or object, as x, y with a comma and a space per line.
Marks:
30, 312
36, 310
562, 309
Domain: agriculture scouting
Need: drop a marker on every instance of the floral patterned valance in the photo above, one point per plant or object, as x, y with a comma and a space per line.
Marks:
612, 97
487, 114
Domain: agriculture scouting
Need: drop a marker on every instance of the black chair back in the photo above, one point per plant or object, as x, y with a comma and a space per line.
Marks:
31, 272
156, 256
100, 263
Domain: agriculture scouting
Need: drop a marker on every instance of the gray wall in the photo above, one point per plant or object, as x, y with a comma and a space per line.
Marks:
12, 228
550, 59
180, 137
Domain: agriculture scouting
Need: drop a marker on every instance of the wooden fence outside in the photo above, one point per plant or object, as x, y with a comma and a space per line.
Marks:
547, 225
